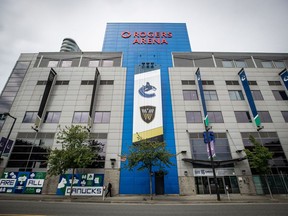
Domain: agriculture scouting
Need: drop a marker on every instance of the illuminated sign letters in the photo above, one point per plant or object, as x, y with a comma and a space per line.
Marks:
148, 37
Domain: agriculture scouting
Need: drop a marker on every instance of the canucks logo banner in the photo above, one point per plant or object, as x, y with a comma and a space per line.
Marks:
284, 78
201, 92
89, 184
245, 84
147, 109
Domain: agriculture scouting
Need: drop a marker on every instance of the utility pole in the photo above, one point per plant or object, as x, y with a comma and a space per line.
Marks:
207, 134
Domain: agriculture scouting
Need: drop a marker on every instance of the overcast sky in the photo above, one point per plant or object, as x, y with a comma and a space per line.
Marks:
32, 26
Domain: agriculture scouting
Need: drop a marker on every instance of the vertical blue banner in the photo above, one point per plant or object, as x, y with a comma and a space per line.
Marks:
284, 78
202, 98
2, 144
5, 146
245, 84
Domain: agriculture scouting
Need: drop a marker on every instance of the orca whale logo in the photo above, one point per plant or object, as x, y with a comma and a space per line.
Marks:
147, 90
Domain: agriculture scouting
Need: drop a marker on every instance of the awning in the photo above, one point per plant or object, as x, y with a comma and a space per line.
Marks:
217, 163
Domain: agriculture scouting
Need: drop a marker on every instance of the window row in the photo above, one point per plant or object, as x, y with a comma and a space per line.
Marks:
230, 82
92, 63
235, 95
243, 64
79, 117
241, 116
32, 150
83, 82
77, 62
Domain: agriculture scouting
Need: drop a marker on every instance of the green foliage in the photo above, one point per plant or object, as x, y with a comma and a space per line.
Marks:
76, 151
259, 157
146, 154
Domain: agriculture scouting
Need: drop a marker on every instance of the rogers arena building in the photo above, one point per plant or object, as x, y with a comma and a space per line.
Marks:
147, 82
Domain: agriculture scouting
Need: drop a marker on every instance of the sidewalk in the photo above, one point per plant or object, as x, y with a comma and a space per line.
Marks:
144, 199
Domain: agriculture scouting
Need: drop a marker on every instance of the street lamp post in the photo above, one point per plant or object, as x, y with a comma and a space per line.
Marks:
7, 138
212, 163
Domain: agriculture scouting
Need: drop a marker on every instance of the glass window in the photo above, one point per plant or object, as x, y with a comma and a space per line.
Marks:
265, 116
207, 82
215, 117
285, 115
62, 82
257, 95
30, 117
252, 82
240, 64
41, 82
52, 117
232, 82
102, 117
210, 95
80, 117
107, 63
52, 64
106, 82
279, 64
267, 64
274, 83
66, 64
188, 82
199, 149
193, 117
280, 95
94, 63
236, 95
87, 82
190, 95
242, 116
227, 63
22, 65
271, 141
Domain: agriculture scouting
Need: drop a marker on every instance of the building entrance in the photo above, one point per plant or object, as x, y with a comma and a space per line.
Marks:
206, 184
159, 183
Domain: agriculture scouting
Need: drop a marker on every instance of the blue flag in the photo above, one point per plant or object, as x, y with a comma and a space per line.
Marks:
245, 84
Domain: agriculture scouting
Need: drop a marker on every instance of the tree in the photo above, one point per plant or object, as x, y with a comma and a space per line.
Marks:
146, 154
259, 159
76, 152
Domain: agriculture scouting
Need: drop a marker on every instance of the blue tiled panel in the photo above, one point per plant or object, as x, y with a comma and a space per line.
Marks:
135, 182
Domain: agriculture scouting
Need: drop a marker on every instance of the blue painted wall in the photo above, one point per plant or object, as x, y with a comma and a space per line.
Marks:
135, 182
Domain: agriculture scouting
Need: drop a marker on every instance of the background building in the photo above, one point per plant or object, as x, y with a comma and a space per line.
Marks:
101, 86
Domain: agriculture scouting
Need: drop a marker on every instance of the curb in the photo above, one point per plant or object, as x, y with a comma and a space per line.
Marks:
144, 200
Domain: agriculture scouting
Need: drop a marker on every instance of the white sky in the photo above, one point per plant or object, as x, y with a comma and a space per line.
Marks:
32, 26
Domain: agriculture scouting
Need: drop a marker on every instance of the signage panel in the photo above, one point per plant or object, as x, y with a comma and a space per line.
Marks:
202, 98
83, 184
48, 88
147, 109
284, 79
22, 182
245, 85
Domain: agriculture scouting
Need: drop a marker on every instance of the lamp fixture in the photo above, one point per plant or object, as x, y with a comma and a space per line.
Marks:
113, 160
259, 128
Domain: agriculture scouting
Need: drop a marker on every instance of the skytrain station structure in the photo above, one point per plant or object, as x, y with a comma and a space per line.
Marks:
147, 82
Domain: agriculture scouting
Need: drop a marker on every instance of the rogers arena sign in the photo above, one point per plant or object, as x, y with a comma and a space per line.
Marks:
148, 37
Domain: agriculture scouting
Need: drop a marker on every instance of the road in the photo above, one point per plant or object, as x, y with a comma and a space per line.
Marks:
21, 208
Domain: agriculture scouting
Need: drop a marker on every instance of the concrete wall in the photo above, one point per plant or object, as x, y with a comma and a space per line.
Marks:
187, 185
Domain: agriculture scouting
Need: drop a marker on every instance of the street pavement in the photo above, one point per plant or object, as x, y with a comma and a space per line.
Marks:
144, 199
